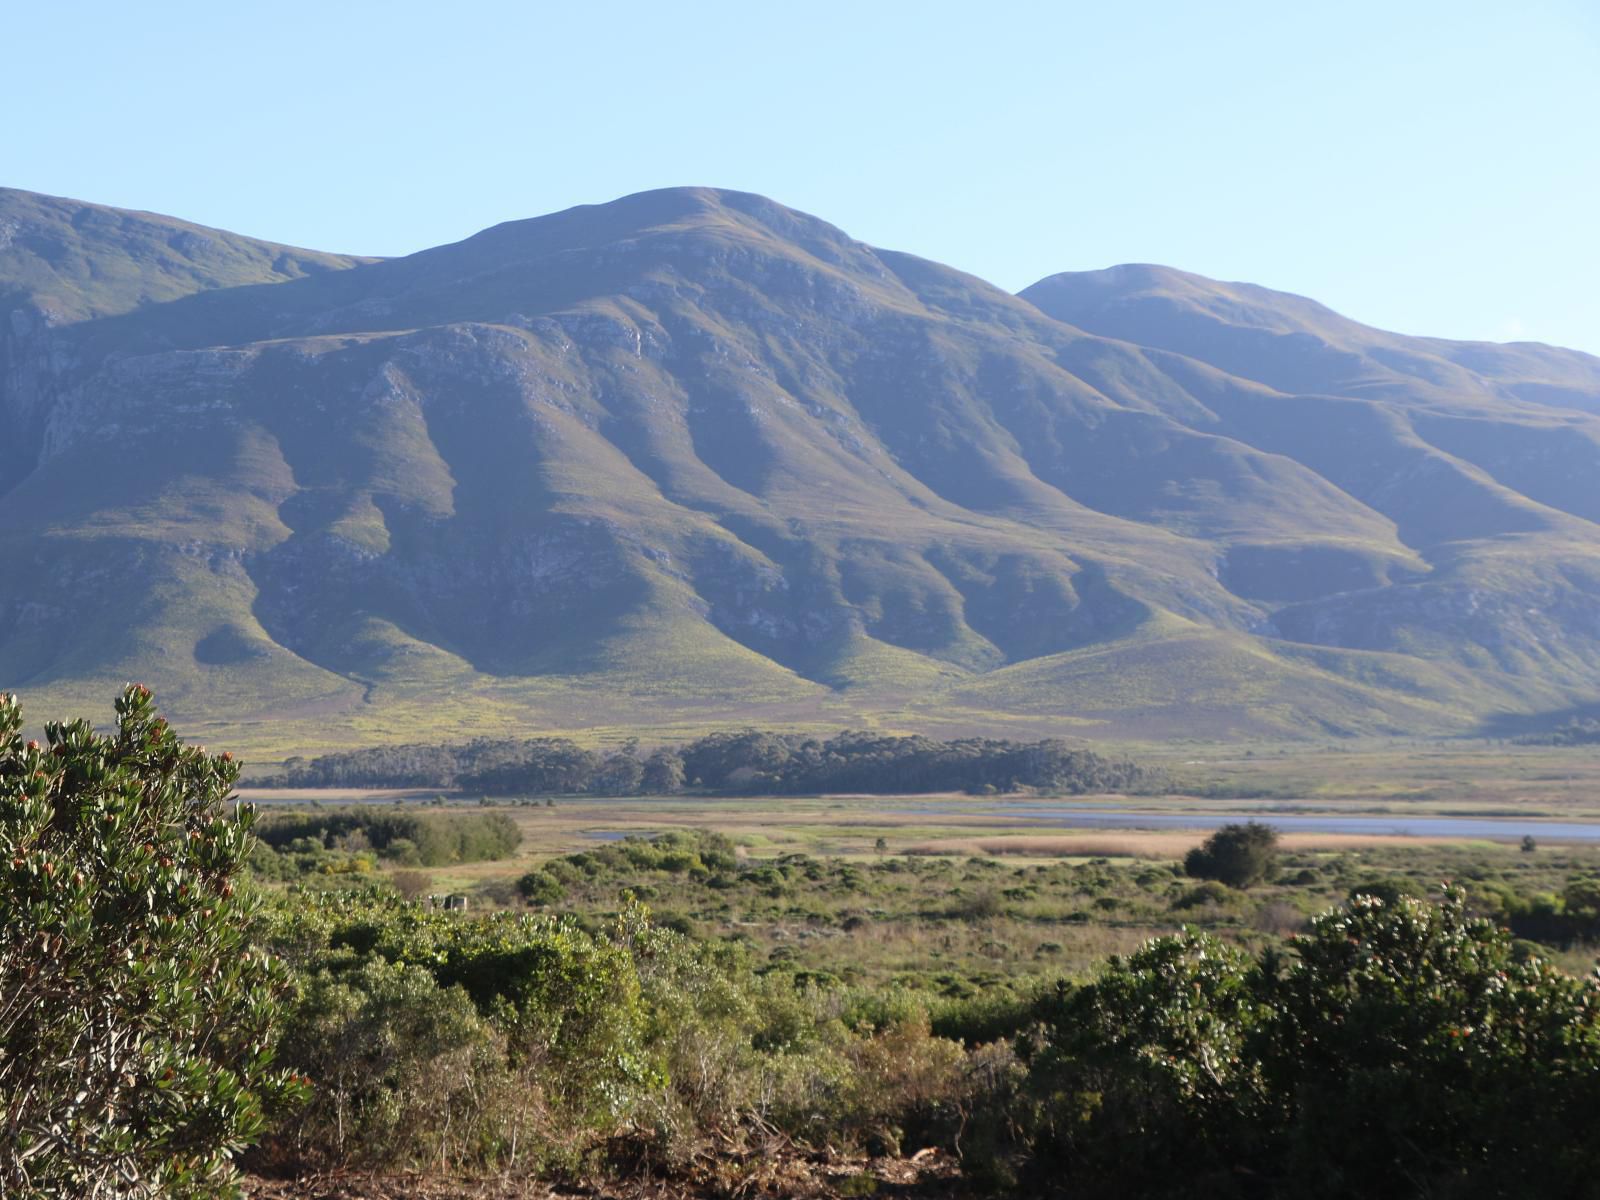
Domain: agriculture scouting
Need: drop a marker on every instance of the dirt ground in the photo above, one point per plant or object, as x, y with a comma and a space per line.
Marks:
927, 1175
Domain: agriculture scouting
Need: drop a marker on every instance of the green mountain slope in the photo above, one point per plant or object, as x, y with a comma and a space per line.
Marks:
73, 260
1486, 458
63, 262
692, 458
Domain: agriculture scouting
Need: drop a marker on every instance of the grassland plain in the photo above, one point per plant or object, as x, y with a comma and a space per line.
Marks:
958, 894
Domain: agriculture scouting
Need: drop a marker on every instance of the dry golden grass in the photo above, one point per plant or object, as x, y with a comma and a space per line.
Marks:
1359, 841
333, 795
1133, 845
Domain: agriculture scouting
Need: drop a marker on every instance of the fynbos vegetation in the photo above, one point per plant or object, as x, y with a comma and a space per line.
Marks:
1389, 1042
356, 839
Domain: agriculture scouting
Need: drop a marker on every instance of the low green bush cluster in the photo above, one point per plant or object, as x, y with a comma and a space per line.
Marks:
472, 1043
340, 840
1398, 1045
522, 1042
309, 857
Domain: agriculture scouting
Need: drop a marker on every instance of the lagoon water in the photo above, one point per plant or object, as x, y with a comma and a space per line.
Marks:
1087, 816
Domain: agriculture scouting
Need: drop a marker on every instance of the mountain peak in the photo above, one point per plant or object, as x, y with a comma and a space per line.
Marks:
1073, 294
1295, 344
662, 211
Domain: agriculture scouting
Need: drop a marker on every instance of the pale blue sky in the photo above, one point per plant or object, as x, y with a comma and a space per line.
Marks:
1431, 167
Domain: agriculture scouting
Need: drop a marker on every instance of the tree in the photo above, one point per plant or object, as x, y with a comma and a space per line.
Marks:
663, 773
136, 1022
619, 775
1237, 855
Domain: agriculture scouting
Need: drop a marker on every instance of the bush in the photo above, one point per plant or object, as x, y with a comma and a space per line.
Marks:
1237, 855
991, 1015
136, 1023
412, 885
1209, 892
405, 836
565, 1003
1389, 891
905, 1087
540, 887
1401, 1048
979, 906
401, 1067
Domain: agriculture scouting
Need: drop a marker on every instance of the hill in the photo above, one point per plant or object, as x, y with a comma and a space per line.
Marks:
692, 458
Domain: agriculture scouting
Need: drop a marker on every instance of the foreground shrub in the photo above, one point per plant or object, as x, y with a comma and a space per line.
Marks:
404, 1069
1400, 1049
906, 1087
468, 1043
136, 1024
507, 1041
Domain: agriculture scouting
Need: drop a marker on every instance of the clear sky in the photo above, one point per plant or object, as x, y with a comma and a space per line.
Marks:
1430, 167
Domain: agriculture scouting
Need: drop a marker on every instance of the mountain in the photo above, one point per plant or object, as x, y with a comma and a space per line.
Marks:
692, 458
1486, 458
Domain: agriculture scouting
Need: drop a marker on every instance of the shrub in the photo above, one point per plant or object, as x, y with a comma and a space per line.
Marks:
406, 836
567, 1002
979, 906
540, 887
904, 1085
1209, 892
412, 885
1237, 855
1401, 1048
1390, 891
136, 1023
401, 1067
992, 1015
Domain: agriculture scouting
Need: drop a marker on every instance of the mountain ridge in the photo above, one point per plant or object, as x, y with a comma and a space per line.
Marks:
691, 456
